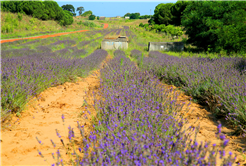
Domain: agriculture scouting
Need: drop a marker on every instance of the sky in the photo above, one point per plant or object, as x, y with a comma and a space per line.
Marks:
115, 8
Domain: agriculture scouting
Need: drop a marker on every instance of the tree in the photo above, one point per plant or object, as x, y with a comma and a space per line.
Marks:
132, 15
127, 14
216, 25
69, 8
144, 17
162, 13
67, 18
177, 10
92, 17
80, 9
52, 8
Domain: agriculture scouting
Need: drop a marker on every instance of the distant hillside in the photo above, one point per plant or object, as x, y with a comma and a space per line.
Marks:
20, 25
13, 22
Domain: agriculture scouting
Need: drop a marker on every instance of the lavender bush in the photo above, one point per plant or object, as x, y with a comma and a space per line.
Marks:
28, 75
136, 53
66, 42
220, 83
137, 125
119, 52
118, 32
83, 43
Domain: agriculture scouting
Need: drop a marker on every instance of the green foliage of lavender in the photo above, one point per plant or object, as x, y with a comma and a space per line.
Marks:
25, 72
221, 83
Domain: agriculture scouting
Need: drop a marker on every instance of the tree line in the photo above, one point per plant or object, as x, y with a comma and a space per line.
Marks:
212, 26
44, 10
136, 16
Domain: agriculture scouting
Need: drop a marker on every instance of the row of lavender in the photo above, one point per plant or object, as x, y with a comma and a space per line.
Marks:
138, 124
218, 83
46, 45
27, 75
57, 40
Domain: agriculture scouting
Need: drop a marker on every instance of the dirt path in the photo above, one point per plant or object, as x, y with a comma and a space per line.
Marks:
208, 126
19, 144
41, 119
46, 36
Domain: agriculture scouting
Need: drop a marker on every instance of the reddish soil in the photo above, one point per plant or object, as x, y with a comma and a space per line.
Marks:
105, 26
46, 36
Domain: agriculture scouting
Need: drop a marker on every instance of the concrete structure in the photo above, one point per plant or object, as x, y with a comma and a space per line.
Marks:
127, 17
115, 43
118, 17
102, 18
167, 46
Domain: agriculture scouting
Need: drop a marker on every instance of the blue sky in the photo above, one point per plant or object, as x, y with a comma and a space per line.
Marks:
116, 8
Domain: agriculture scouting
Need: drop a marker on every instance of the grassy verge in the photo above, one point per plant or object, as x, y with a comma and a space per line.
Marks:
15, 27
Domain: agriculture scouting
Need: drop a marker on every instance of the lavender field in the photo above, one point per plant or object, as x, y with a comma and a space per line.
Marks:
29, 67
219, 83
137, 124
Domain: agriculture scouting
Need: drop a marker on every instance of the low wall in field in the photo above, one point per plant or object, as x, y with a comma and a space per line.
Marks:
166, 46
108, 44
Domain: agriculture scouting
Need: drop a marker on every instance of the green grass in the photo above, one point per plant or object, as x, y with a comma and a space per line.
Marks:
15, 27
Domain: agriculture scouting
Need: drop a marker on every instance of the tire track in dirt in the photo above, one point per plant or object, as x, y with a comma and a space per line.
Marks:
46, 36
43, 116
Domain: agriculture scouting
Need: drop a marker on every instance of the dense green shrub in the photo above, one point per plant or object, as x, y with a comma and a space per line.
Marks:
87, 13
144, 17
45, 10
163, 14
176, 11
151, 21
15, 23
132, 15
170, 29
92, 17
8, 18
19, 16
7, 28
67, 19
141, 25
216, 26
89, 24
80, 23
32, 20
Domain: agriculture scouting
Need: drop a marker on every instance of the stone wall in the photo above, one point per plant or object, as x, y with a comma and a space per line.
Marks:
167, 46
113, 45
